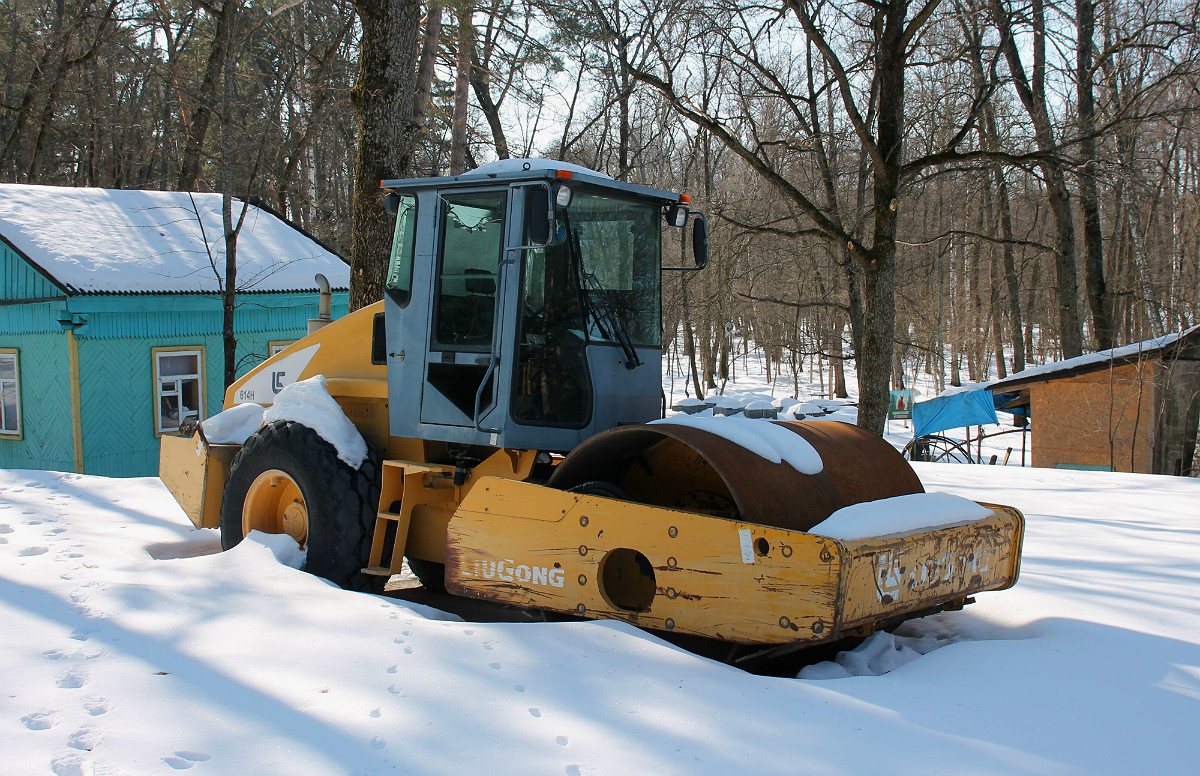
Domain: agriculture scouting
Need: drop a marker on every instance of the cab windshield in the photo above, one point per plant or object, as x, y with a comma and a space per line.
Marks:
618, 246
599, 283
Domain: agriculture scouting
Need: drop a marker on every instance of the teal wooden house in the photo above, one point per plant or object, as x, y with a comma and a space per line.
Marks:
111, 318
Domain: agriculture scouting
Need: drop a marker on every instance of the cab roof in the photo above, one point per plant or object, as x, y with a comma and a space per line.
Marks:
516, 170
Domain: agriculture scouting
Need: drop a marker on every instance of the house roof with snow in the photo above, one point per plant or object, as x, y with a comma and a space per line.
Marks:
1174, 345
98, 241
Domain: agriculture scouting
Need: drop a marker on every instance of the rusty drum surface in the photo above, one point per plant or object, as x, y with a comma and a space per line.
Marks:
684, 467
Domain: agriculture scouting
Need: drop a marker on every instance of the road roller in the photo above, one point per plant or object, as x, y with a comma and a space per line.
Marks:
508, 389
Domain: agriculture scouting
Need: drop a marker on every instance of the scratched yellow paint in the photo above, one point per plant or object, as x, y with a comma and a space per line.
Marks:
534, 546
926, 569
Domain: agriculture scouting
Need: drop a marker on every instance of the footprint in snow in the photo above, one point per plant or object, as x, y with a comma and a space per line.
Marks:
376, 713
519, 687
393, 689
573, 770
535, 712
561, 740
3, 540
55, 654
391, 669
181, 761
408, 650
95, 706
72, 679
71, 765
39, 720
85, 739
31, 551
397, 640
494, 666
87, 611
5, 528
378, 743
83, 633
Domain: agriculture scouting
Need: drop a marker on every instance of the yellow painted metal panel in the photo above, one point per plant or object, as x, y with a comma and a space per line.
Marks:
344, 358
535, 546
195, 473
539, 547
420, 498
886, 576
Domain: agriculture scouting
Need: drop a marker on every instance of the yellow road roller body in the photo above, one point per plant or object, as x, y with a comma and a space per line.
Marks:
507, 389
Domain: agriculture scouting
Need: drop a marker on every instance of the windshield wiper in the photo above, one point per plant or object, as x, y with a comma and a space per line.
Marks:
586, 281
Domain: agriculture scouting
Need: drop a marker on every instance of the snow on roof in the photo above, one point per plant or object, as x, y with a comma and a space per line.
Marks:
1087, 360
506, 166
106, 240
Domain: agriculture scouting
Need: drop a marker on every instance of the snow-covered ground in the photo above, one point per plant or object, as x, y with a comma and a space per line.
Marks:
129, 646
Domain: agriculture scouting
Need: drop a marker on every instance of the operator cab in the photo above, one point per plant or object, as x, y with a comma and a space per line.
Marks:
523, 304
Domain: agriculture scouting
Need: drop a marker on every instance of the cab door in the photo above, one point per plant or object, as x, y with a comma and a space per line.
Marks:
463, 359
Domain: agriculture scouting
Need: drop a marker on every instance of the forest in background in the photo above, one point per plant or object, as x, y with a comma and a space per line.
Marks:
961, 187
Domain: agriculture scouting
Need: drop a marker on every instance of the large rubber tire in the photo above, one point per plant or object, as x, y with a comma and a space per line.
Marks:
341, 502
431, 574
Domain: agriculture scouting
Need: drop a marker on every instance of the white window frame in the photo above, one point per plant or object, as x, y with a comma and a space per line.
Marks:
11, 354
183, 350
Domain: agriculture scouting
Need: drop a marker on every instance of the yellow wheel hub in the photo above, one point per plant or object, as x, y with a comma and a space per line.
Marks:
274, 504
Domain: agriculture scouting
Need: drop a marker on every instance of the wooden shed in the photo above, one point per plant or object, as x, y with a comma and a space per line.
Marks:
1130, 409
111, 318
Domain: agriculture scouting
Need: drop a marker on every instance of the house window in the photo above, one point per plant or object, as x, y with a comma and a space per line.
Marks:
178, 387
10, 394
278, 347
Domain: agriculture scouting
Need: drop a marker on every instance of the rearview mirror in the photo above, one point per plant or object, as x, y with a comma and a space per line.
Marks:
700, 241
539, 216
391, 203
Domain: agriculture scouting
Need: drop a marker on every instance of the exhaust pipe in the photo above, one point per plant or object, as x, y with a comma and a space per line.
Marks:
324, 306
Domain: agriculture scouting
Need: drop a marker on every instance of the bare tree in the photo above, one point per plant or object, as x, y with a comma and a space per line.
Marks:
1032, 92
383, 98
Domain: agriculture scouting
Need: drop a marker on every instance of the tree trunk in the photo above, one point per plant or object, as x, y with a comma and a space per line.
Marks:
429, 47
1089, 199
383, 98
879, 327
689, 339
1032, 93
206, 100
838, 387
462, 85
481, 84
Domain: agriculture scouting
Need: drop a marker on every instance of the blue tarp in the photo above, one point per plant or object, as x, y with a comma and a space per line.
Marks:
972, 407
